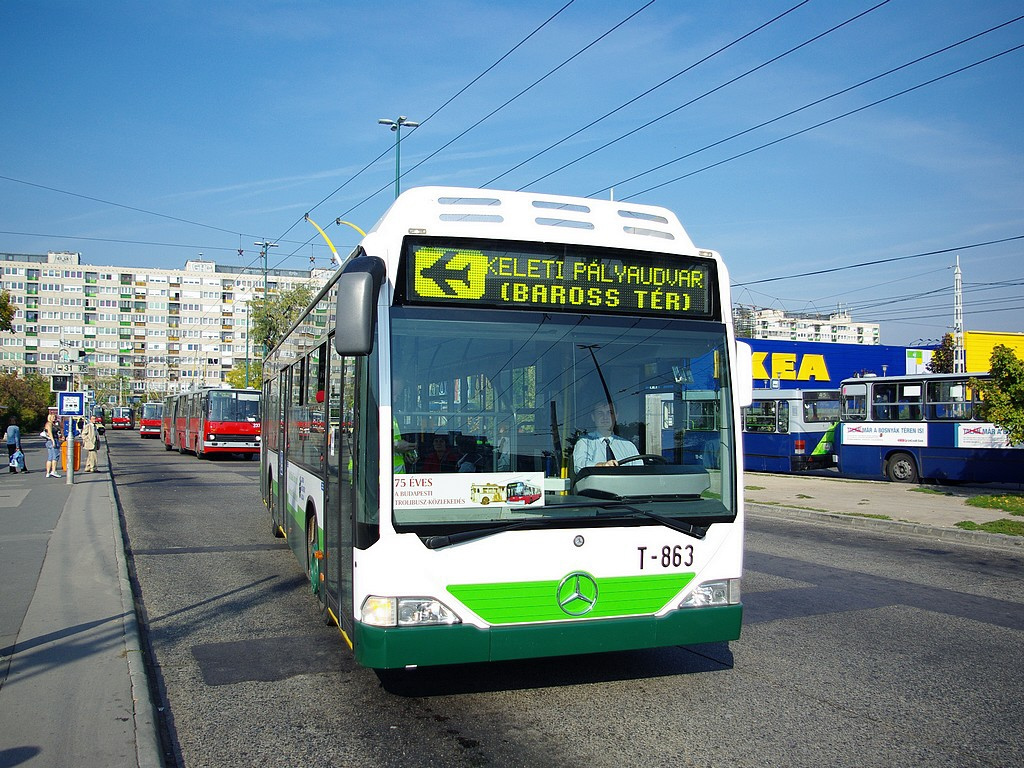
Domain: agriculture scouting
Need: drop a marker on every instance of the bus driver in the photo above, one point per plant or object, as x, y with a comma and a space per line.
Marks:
602, 447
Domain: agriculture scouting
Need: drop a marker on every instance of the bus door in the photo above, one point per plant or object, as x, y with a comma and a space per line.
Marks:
277, 423
339, 522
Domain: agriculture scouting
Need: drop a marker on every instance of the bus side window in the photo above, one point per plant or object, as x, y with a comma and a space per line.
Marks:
760, 416
854, 403
784, 417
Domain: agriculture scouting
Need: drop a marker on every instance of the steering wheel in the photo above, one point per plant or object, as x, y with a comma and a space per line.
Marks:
646, 458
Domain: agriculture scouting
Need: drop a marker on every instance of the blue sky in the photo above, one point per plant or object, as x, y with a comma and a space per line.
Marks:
142, 134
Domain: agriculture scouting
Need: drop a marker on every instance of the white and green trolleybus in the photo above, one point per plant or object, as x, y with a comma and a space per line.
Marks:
472, 340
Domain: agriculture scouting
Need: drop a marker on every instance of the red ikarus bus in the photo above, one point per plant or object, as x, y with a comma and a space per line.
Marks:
150, 419
213, 420
122, 418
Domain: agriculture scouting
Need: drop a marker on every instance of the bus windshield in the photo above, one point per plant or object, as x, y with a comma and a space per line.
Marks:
517, 416
234, 406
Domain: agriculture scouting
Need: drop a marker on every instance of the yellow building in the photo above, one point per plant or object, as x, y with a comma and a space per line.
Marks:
978, 346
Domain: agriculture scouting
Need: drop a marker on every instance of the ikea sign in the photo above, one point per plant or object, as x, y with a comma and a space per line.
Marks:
790, 366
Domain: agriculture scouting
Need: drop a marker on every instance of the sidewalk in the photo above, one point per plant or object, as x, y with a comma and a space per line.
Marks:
923, 510
73, 686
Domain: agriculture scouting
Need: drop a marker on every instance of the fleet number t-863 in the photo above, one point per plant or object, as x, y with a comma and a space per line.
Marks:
667, 557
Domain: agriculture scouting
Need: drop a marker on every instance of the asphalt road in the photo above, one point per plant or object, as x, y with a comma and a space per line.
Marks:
859, 648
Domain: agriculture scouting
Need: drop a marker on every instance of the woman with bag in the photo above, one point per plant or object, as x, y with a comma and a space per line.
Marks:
14, 446
51, 433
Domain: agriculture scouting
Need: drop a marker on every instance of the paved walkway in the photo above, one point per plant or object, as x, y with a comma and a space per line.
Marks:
73, 688
928, 510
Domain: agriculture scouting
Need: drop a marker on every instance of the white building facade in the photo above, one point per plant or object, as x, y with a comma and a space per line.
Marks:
837, 327
162, 330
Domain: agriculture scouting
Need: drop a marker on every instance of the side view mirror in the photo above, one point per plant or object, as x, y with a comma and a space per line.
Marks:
356, 316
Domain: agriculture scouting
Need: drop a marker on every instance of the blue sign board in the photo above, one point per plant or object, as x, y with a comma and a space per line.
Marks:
71, 404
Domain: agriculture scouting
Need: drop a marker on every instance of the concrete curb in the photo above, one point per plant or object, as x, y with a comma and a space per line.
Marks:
919, 530
147, 741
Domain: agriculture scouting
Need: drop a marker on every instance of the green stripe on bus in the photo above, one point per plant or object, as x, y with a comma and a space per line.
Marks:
519, 602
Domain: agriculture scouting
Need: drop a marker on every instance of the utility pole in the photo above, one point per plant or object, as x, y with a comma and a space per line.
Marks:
265, 246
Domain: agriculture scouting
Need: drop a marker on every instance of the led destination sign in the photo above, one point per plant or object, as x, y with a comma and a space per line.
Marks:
571, 279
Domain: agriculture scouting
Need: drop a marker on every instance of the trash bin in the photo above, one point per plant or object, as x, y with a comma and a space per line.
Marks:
64, 455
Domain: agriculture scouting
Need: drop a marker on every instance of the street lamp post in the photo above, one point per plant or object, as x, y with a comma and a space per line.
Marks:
396, 126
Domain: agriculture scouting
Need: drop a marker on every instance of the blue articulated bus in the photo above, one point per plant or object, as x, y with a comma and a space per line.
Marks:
927, 427
790, 430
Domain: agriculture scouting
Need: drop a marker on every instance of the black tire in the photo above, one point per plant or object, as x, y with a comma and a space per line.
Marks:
901, 468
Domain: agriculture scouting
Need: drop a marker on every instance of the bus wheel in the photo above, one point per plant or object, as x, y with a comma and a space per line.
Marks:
901, 468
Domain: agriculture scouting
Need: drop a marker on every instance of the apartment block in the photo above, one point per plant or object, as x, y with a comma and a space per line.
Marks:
835, 327
162, 330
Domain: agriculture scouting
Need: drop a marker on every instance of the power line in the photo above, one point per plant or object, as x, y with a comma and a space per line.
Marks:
878, 261
504, 104
717, 88
814, 103
121, 205
493, 111
826, 122
450, 99
646, 93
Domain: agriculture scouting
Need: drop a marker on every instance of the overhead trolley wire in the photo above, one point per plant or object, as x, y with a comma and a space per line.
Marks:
717, 88
452, 98
804, 107
120, 205
649, 91
878, 261
504, 104
827, 122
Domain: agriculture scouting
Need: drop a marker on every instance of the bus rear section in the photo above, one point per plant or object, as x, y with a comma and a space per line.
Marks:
150, 419
923, 427
790, 430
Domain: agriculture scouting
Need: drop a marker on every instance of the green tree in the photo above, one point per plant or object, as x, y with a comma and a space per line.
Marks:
27, 399
236, 376
942, 358
270, 319
7, 310
1003, 393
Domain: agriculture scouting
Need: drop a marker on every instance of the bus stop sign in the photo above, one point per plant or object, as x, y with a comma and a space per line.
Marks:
71, 404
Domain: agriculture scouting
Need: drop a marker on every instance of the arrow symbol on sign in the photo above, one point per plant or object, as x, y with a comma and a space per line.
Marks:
442, 274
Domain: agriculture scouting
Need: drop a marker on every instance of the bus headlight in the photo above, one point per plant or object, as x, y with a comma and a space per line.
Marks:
211, 438
406, 612
723, 592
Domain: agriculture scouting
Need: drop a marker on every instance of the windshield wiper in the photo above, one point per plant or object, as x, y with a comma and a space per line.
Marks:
440, 542
676, 525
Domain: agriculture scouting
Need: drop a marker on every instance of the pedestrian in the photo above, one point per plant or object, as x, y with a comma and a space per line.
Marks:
89, 442
51, 433
14, 445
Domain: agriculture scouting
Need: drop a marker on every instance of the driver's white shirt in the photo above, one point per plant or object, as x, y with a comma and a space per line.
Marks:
590, 450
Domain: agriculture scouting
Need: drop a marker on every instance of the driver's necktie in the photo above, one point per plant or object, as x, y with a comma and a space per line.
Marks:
609, 455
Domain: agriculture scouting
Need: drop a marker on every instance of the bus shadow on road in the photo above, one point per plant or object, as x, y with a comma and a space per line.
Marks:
556, 671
